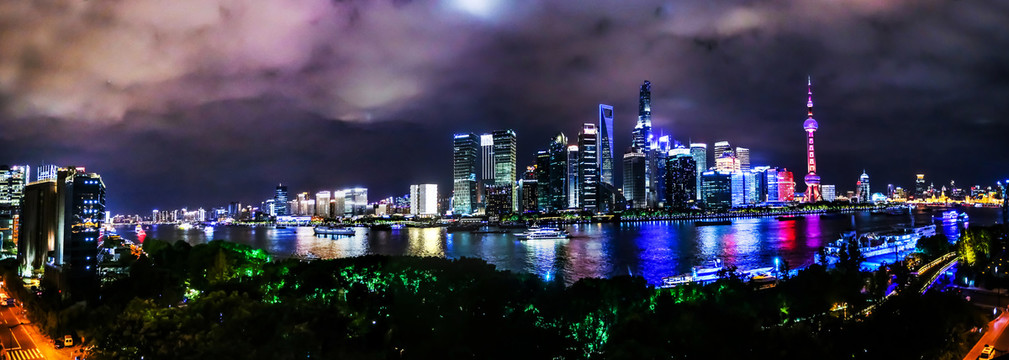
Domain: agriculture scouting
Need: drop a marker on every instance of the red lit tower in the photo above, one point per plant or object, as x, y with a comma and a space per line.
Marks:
810, 125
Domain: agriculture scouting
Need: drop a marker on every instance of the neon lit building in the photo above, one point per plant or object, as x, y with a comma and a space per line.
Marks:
812, 179
605, 140
465, 148
786, 186
699, 151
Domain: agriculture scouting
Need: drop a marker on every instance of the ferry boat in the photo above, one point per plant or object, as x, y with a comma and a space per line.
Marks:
953, 215
881, 242
543, 233
329, 230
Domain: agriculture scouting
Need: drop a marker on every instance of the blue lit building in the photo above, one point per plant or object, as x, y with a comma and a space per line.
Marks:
280, 206
605, 143
465, 148
716, 188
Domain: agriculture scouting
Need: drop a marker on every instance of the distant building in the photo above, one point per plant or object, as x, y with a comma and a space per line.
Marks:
558, 173
46, 172
487, 159
280, 205
13, 180
919, 186
700, 153
542, 172
829, 192
863, 192
528, 188
464, 173
574, 187
635, 177
743, 155
722, 147
680, 180
588, 167
355, 202
605, 144
506, 163
786, 186
716, 187
738, 189
424, 199
726, 161
322, 200
499, 200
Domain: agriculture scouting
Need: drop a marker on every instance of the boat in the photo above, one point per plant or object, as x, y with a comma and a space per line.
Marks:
712, 222
790, 217
138, 229
543, 233
713, 267
330, 230
880, 242
953, 215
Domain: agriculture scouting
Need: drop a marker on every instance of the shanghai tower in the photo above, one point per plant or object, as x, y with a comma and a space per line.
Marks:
812, 180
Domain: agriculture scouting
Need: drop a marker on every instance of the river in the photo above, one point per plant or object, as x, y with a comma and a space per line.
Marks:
652, 249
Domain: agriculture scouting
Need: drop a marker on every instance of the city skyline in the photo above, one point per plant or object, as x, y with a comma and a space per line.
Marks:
178, 130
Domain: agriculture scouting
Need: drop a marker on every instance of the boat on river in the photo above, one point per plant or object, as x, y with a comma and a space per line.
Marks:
879, 243
543, 233
330, 230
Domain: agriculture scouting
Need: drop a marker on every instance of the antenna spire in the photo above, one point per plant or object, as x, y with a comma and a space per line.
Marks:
809, 90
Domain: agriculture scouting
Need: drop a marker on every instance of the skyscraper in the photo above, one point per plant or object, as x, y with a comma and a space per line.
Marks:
864, 192
635, 163
727, 161
919, 187
573, 186
355, 201
505, 162
828, 192
558, 173
588, 168
13, 180
46, 172
770, 183
642, 134
542, 173
681, 178
464, 172
738, 189
280, 201
322, 200
722, 147
716, 187
605, 144
82, 213
487, 158
699, 152
812, 179
786, 186
743, 155
424, 199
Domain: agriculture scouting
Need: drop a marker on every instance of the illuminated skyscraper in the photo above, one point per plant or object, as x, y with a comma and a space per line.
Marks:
786, 186
487, 159
13, 180
722, 147
424, 199
919, 187
605, 148
46, 172
829, 193
812, 179
699, 152
635, 163
642, 133
322, 200
355, 201
864, 192
464, 173
716, 187
588, 168
573, 186
280, 201
505, 163
727, 162
681, 178
743, 155
557, 188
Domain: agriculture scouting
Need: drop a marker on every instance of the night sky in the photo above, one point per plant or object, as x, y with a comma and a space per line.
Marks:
201, 102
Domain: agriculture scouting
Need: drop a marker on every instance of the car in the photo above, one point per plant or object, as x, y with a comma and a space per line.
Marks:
68, 341
987, 353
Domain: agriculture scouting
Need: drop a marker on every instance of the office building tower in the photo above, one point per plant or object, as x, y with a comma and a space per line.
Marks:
424, 199
699, 152
727, 161
812, 180
661, 151
828, 192
722, 147
753, 187
355, 202
919, 186
680, 180
558, 197
337, 205
574, 188
635, 177
770, 184
280, 205
487, 159
322, 200
786, 186
46, 172
738, 189
13, 180
588, 167
743, 155
716, 187
605, 144
464, 173
505, 162
642, 133
39, 224
542, 172
499, 200
864, 193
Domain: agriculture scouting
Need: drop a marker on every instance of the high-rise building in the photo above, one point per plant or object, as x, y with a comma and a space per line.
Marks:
487, 159
542, 172
499, 200
13, 180
738, 189
574, 188
39, 225
605, 144
864, 193
635, 177
642, 134
322, 200
743, 155
919, 186
424, 199
280, 206
716, 187
505, 162
355, 201
699, 151
337, 206
722, 147
768, 183
588, 167
786, 186
828, 192
464, 172
753, 186
812, 179
727, 161
680, 180
46, 172
660, 153
558, 173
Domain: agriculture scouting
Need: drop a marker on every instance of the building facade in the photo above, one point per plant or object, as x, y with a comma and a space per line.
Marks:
589, 168
605, 143
635, 178
699, 151
464, 173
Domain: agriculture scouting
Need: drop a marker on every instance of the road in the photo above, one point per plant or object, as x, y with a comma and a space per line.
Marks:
995, 335
17, 338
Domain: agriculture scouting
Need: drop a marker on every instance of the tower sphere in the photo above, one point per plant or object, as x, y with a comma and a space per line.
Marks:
810, 124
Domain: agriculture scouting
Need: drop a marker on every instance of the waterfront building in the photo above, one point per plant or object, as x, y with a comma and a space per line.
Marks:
699, 151
487, 159
635, 192
337, 205
769, 182
505, 162
280, 205
743, 155
680, 180
46, 172
355, 202
322, 200
529, 191
499, 200
642, 140
862, 185
727, 161
722, 147
812, 180
589, 168
828, 192
753, 187
919, 186
738, 189
464, 173
660, 153
424, 199
605, 144
786, 186
542, 172
573, 186
557, 188
716, 187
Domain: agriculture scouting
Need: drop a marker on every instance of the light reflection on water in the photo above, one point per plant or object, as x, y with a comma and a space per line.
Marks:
651, 249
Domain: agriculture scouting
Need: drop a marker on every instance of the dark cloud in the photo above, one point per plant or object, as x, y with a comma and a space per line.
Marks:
198, 102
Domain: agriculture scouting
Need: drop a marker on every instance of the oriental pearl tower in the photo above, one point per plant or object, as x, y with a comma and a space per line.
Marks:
812, 180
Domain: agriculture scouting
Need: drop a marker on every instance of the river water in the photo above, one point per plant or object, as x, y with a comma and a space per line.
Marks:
651, 249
